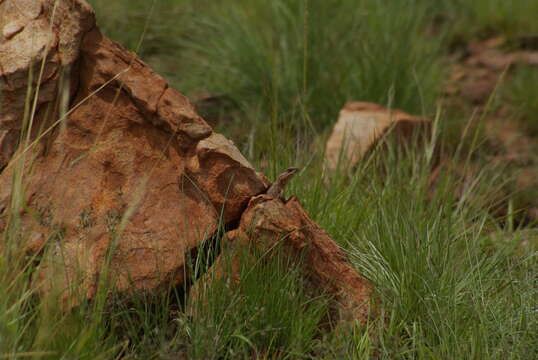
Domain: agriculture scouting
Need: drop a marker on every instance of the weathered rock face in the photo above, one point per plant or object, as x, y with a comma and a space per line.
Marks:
359, 126
129, 144
34, 34
8, 143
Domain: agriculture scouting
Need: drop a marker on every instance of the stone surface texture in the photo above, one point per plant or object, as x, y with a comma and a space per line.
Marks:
131, 148
359, 126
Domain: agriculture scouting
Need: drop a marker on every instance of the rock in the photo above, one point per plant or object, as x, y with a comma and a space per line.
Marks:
13, 28
133, 169
228, 178
484, 67
268, 222
8, 144
132, 179
35, 33
359, 126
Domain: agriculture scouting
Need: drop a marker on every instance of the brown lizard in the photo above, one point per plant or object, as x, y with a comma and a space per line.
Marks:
277, 189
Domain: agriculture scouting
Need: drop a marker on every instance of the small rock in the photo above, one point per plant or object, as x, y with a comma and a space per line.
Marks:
359, 126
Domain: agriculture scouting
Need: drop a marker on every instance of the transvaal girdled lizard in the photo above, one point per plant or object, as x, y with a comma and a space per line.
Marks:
277, 189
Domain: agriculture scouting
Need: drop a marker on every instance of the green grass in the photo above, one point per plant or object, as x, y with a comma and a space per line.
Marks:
267, 314
154, 29
453, 279
522, 93
447, 291
290, 75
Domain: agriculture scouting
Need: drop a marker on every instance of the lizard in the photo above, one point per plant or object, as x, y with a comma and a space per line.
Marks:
276, 190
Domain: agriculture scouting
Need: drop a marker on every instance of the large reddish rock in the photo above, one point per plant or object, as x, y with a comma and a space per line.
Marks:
132, 168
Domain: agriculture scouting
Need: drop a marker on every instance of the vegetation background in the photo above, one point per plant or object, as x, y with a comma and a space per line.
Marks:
454, 265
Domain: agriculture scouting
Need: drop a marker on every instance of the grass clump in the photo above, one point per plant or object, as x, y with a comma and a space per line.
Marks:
447, 287
291, 66
153, 29
267, 314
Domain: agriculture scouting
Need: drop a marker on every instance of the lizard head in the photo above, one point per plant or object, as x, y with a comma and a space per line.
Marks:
288, 173
291, 171
278, 186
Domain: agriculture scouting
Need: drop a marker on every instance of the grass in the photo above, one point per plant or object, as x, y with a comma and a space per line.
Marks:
513, 19
450, 294
454, 279
268, 314
134, 25
522, 93
288, 77
285, 75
